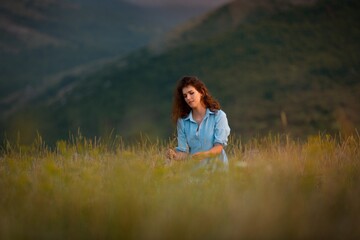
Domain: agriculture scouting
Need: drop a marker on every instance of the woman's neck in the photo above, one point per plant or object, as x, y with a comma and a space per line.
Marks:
199, 113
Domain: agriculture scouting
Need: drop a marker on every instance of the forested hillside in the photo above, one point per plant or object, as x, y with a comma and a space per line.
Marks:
293, 70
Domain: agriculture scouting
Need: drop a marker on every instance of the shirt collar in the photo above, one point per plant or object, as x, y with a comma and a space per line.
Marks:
190, 116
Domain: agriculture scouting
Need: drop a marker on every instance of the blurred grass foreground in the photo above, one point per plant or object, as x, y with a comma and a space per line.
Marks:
275, 188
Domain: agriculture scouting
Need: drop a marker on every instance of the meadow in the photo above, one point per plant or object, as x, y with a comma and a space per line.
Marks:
276, 187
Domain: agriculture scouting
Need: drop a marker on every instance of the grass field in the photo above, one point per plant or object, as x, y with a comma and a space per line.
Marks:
275, 188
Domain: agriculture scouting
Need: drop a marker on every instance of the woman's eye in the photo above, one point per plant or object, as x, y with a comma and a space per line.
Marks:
191, 93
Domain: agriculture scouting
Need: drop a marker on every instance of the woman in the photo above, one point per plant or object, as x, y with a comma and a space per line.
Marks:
202, 128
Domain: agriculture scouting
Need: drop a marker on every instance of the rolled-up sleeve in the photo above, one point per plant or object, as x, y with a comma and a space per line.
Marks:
222, 129
181, 137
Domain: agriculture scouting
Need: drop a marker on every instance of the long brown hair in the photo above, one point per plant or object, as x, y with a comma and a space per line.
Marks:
180, 108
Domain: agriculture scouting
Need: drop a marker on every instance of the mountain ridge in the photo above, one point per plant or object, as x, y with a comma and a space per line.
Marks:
227, 18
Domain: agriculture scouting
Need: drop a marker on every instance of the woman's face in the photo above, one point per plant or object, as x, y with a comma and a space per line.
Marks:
192, 96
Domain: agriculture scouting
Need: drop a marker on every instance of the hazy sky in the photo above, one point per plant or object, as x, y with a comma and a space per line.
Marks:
203, 3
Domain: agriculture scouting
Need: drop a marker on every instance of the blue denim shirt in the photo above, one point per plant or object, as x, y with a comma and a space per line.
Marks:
214, 129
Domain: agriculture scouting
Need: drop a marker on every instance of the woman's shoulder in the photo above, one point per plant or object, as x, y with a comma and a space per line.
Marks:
219, 113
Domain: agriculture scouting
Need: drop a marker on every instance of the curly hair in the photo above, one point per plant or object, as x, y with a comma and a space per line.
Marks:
180, 108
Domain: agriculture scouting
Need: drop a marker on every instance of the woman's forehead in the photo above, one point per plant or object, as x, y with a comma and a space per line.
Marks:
188, 89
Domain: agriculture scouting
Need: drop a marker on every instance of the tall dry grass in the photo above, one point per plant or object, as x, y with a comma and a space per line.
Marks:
275, 188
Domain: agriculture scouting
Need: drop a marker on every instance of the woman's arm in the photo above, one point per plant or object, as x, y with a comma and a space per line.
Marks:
214, 151
175, 155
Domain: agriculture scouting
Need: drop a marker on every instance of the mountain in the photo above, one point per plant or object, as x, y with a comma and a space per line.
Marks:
292, 70
43, 40
224, 19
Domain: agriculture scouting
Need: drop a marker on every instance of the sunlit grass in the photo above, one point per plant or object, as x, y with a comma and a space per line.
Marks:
275, 188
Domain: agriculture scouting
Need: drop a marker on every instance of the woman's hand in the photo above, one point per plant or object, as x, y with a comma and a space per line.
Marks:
170, 154
174, 155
